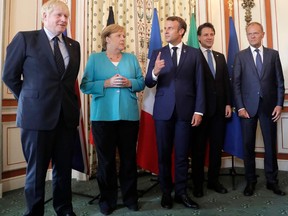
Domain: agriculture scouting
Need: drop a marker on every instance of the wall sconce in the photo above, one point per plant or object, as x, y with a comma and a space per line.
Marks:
248, 5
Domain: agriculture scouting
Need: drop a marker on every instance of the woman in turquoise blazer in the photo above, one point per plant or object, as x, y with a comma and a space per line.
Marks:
113, 78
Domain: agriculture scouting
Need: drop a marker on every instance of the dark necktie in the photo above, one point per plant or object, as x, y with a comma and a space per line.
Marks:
210, 62
58, 56
174, 56
258, 62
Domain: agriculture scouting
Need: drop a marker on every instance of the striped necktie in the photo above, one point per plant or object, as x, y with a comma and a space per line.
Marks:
58, 56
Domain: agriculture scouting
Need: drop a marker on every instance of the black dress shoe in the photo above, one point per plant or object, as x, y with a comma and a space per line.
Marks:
186, 201
219, 188
107, 211
133, 207
275, 188
249, 189
166, 201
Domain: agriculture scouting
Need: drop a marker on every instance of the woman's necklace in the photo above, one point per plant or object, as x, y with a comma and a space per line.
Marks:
114, 57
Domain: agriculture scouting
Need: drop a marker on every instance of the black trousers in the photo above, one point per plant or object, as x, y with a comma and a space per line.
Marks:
212, 130
108, 136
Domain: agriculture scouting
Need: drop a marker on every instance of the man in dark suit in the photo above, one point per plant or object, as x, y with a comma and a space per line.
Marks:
179, 104
48, 112
218, 107
258, 87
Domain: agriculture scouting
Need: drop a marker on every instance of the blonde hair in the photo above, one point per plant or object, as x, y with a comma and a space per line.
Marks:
50, 5
110, 29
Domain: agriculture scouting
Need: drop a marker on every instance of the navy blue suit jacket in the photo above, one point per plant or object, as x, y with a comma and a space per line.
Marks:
248, 86
30, 72
183, 89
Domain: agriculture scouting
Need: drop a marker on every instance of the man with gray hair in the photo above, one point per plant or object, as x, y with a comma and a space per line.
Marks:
40, 70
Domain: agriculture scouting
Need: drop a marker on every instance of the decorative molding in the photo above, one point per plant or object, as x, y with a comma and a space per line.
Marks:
248, 5
230, 7
193, 5
2, 12
12, 155
13, 183
282, 125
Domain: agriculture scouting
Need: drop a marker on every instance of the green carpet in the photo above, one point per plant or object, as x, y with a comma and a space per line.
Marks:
234, 203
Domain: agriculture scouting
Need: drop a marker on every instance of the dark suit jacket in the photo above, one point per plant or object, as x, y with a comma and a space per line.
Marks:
217, 90
42, 91
248, 86
183, 89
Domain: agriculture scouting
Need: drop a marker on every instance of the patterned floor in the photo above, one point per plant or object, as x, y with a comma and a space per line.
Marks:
234, 203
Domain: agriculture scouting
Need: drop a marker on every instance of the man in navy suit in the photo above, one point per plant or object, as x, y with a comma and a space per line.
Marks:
218, 108
48, 112
258, 87
179, 106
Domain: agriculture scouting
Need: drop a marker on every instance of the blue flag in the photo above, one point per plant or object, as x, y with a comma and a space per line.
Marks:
155, 36
233, 138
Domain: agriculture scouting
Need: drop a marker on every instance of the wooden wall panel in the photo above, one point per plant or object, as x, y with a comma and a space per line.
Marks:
17, 19
280, 33
217, 18
282, 136
12, 149
18, 15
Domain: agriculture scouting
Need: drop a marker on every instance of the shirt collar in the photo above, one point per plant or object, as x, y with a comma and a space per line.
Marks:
253, 49
204, 50
178, 45
51, 36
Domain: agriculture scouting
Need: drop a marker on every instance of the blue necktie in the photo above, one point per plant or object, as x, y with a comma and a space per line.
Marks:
210, 62
58, 56
174, 56
258, 62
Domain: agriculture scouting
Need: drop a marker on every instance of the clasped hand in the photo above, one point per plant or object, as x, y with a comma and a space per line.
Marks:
118, 81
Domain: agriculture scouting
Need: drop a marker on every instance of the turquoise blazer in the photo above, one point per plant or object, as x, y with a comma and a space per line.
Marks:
112, 104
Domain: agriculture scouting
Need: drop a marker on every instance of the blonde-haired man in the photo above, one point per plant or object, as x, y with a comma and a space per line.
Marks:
48, 113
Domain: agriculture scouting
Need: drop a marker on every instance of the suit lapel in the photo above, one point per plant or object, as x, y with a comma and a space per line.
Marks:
166, 55
250, 60
45, 45
266, 56
69, 50
182, 57
215, 55
217, 63
206, 67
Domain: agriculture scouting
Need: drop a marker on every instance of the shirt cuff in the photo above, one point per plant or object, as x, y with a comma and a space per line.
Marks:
241, 109
154, 77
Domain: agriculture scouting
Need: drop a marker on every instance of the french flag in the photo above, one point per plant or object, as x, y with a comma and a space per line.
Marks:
147, 157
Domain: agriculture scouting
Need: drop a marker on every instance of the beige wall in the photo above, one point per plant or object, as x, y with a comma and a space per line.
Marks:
18, 15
